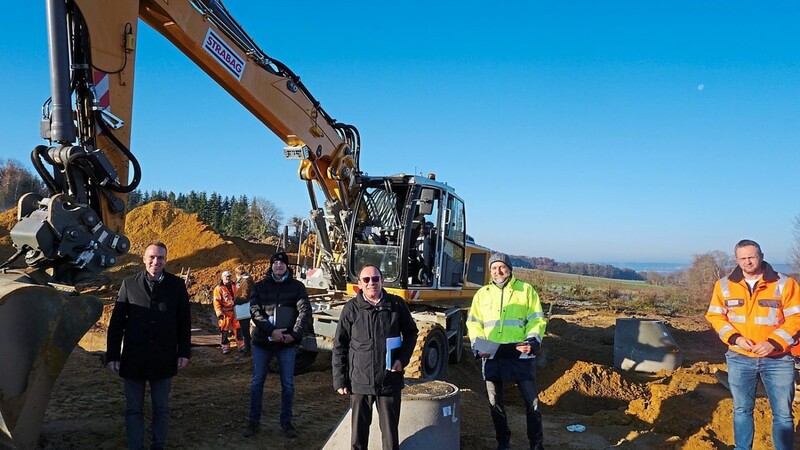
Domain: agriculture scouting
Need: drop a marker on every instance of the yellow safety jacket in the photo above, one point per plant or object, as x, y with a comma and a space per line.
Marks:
770, 313
509, 315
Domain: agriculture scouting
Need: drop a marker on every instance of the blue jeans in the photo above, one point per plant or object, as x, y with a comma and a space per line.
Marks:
261, 359
777, 374
134, 412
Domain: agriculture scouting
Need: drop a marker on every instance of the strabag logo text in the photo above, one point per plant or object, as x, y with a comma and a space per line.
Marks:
224, 54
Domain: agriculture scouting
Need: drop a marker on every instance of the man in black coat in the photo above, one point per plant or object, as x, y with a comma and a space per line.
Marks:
152, 317
280, 314
369, 323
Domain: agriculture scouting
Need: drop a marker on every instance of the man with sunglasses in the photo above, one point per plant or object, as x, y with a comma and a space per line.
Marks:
371, 323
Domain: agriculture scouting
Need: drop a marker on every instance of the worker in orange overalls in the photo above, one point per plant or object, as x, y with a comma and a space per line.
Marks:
226, 319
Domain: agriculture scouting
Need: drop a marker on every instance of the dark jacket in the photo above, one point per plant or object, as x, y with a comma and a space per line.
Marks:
154, 323
268, 294
359, 346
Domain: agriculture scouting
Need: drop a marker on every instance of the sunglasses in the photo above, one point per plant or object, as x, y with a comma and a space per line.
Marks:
374, 279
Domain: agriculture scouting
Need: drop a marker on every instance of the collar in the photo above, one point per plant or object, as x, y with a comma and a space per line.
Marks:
768, 276
151, 279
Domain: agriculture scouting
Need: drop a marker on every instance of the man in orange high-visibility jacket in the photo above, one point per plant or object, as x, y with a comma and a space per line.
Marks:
756, 311
226, 319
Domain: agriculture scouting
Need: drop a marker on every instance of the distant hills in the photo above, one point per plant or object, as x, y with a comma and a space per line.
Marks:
579, 268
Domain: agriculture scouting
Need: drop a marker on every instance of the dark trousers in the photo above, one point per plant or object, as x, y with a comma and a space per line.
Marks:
388, 419
532, 415
244, 326
134, 412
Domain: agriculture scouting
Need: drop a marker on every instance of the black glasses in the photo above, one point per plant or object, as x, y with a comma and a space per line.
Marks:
374, 279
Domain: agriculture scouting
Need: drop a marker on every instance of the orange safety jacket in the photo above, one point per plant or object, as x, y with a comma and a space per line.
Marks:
223, 306
770, 313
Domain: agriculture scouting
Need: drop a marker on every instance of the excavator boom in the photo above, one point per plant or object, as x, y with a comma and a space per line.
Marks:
78, 231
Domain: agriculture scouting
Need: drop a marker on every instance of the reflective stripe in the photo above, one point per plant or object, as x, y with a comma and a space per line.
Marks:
535, 315
735, 318
723, 286
514, 323
781, 283
771, 321
474, 319
534, 335
791, 311
491, 323
724, 330
786, 336
717, 309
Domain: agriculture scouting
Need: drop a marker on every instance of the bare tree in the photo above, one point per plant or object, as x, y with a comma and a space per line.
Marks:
794, 253
705, 270
271, 215
15, 180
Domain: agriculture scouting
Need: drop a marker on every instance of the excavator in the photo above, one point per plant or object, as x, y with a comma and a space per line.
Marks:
412, 227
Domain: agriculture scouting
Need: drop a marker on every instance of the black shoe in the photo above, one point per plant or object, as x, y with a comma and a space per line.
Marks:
251, 429
242, 355
288, 430
504, 447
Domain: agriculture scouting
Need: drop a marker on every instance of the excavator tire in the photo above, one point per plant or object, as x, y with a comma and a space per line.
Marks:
303, 361
429, 359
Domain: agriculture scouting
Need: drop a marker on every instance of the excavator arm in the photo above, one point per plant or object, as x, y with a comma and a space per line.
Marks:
77, 231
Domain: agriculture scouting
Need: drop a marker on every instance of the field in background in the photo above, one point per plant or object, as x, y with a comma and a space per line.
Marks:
558, 288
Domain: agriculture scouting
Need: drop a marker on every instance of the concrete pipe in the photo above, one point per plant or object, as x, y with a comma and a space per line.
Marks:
430, 418
645, 345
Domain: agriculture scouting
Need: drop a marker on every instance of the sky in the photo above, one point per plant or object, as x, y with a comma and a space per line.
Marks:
636, 131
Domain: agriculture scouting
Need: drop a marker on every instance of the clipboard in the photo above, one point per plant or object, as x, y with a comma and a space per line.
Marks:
392, 344
285, 317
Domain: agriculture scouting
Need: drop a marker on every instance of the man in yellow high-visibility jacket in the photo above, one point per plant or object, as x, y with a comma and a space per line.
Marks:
506, 325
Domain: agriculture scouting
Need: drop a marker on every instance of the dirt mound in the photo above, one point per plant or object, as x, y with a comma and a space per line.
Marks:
192, 245
7, 220
190, 241
587, 388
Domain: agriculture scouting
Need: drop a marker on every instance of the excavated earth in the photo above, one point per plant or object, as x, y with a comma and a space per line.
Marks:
684, 409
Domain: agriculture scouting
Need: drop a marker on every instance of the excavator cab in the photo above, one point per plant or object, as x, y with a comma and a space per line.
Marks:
413, 229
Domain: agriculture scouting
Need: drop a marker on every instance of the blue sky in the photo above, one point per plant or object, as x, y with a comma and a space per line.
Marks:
582, 131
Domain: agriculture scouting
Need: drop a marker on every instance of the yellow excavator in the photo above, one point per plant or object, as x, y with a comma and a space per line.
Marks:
412, 227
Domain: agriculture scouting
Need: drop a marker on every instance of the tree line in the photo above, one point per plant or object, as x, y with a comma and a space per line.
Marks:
576, 268
15, 180
253, 218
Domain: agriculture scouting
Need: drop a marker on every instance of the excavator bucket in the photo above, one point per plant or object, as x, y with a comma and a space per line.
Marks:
39, 327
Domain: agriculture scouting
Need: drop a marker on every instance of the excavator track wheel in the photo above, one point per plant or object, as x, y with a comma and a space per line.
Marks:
429, 359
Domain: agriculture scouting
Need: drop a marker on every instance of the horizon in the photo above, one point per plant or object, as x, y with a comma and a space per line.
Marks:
580, 131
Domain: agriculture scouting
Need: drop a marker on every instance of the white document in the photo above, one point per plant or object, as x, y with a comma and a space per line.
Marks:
484, 346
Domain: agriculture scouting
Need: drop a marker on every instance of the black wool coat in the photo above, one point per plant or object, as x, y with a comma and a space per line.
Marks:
154, 325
